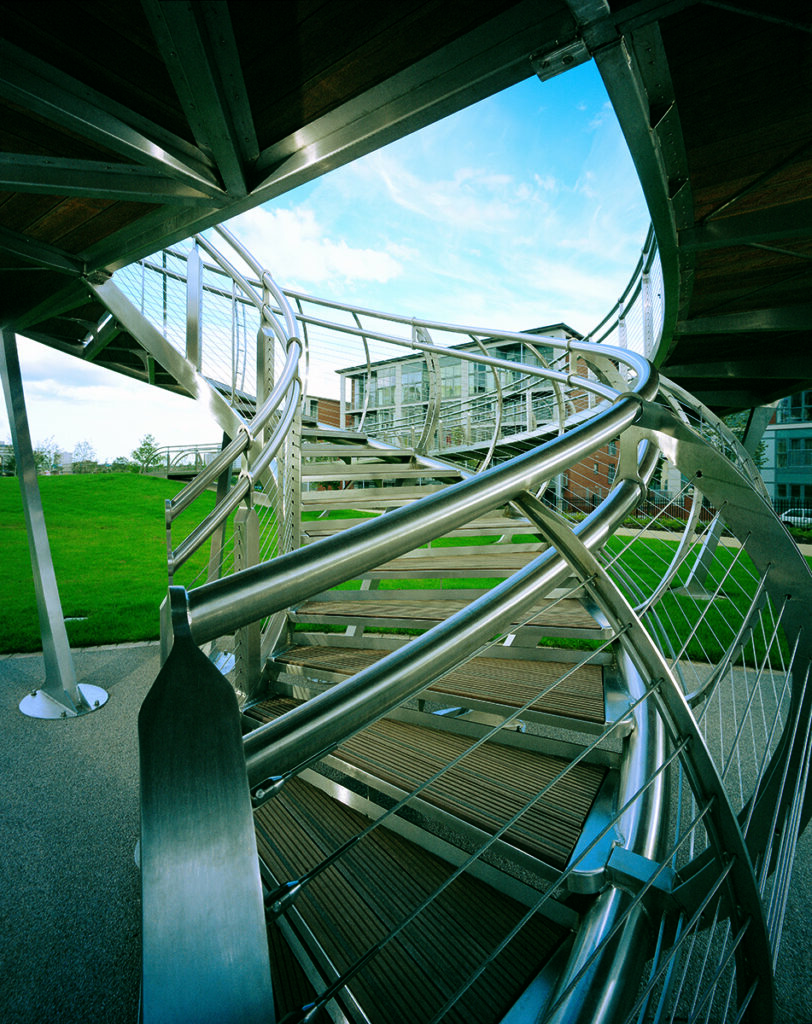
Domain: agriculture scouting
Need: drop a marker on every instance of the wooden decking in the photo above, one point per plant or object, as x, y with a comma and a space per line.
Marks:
566, 618
354, 906
486, 788
522, 799
494, 682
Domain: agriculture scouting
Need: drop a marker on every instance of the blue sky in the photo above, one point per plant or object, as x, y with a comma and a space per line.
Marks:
522, 210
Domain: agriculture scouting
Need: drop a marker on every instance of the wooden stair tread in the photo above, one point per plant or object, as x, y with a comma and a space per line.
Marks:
500, 681
325, 449
425, 611
327, 433
363, 497
485, 526
373, 471
373, 888
486, 789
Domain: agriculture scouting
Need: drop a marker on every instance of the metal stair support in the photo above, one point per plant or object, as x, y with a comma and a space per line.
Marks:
404, 755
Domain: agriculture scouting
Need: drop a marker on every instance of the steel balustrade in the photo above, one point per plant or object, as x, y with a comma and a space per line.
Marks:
674, 893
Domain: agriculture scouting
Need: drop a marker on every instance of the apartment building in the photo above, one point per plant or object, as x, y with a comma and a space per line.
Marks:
787, 469
393, 398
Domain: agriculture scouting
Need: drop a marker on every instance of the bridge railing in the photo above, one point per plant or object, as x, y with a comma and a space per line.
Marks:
715, 666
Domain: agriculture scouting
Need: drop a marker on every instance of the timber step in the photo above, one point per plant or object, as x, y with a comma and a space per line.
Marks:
365, 497
486, 526
486, 788
384, 883
482, 682
312, 430
367, 471
354, 451
376, 608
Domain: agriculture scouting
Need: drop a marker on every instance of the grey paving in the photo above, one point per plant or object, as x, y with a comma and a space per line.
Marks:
69, 898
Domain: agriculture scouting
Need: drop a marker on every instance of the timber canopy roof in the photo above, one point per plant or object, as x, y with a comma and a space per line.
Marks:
127, 127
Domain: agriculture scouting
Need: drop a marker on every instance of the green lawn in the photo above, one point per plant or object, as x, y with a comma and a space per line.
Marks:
677, 614
108, 543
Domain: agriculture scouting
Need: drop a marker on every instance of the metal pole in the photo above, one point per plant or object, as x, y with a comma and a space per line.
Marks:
194, 301
61, 696
247, 667
695, 584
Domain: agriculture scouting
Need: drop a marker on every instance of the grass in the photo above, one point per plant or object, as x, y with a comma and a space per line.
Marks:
645, 562
108, 543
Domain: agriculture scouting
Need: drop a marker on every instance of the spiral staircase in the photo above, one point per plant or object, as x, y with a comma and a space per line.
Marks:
430, 742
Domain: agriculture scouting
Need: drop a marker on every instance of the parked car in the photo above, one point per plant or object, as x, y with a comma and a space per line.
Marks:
797, 517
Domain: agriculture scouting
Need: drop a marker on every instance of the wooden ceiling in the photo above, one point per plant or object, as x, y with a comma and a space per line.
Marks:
126, 127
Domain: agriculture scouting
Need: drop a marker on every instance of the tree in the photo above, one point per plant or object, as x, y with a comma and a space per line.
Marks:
120, 464
146, 454
737, 423
84, 457
8, 461
47, 455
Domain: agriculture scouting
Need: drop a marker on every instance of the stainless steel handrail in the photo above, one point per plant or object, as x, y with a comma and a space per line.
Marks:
285, 391
216, 608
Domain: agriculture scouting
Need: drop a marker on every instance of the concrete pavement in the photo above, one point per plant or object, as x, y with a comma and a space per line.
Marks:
70, 898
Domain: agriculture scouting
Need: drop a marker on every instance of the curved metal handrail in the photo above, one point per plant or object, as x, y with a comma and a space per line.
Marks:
704, 866
282, 402
216, 607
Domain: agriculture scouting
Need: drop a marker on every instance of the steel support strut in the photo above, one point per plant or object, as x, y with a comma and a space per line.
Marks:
61, 696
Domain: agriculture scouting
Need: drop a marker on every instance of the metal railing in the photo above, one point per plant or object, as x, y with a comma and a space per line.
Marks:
236, 330
676, 889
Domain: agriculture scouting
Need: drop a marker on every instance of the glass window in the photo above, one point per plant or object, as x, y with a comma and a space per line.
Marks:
384, 381
796, 408
414, 382
451, 377
794, 452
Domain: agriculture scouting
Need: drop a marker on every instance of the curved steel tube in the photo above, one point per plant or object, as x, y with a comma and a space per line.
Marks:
217, 607
744, 901
288, 744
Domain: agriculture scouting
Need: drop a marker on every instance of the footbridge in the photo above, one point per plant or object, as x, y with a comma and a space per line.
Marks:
430, 741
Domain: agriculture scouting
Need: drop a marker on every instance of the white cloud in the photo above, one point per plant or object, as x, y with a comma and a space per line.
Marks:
73, 401
295, 247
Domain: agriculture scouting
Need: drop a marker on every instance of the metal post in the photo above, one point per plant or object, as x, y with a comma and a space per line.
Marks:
61, 696
622, 333
247, 638
194, 299
695, 584
647, 309
219, 536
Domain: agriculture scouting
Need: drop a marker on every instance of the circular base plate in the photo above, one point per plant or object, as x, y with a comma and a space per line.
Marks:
42, 705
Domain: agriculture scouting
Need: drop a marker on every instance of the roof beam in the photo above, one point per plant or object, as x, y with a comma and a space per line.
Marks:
783, 318
100, 337
67, 103
40, 253
491, 57
733, 400
66, 177
773, 224
198, 47
760, 368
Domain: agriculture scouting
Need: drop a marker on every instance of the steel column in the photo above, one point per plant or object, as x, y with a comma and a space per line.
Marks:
61, 696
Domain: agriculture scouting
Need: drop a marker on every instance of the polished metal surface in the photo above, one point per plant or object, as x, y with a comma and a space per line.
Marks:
718, 135
60, 697
217, 607
655, 742
205, 954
